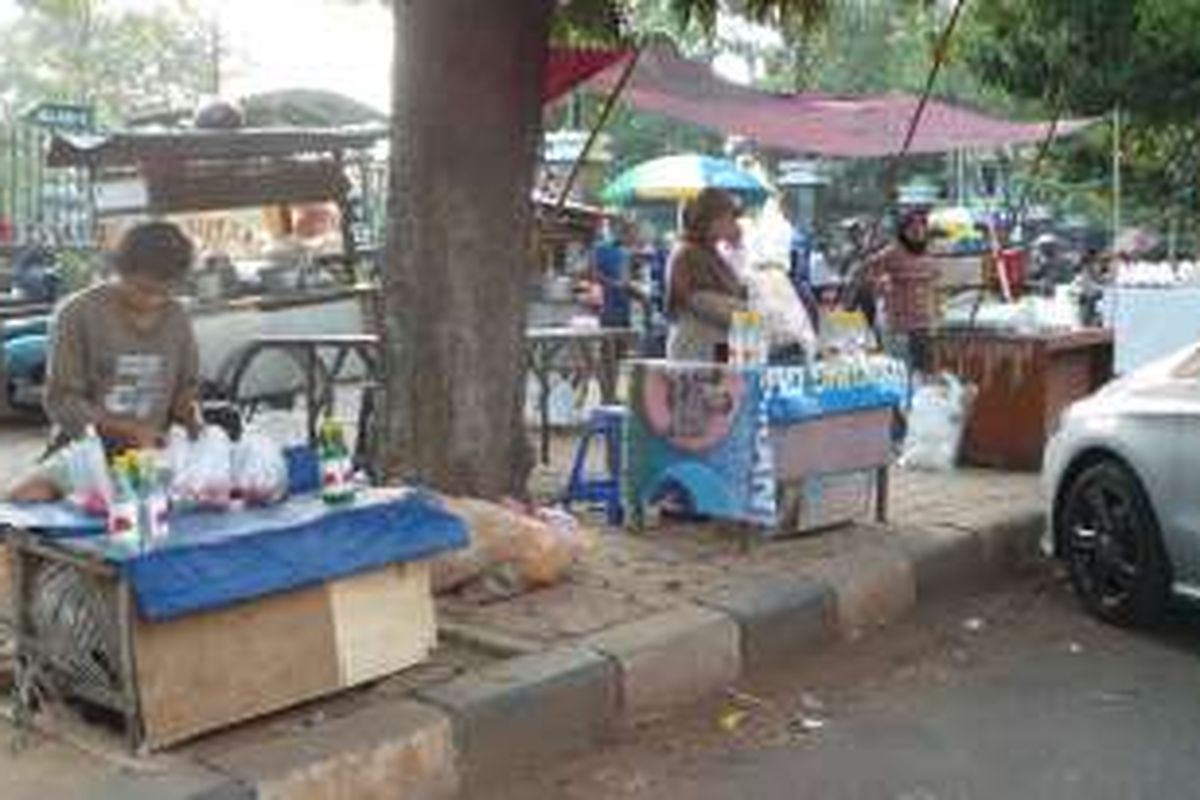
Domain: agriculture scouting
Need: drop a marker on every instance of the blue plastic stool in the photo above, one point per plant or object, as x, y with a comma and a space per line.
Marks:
606, 423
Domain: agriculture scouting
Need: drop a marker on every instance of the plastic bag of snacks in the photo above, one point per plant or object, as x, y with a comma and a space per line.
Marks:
83, 468
260, 472
202, 475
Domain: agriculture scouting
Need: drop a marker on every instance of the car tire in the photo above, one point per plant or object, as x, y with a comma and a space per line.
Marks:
1112, 546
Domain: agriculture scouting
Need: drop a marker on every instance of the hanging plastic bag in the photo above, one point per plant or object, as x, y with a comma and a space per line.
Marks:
179, 449
260, 472
83, 469
936, 423
785, 319
204, 478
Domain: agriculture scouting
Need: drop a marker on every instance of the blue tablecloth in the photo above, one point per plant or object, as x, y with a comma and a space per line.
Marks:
212, 560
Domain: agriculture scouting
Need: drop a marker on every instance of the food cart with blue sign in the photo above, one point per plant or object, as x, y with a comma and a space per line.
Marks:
782, 447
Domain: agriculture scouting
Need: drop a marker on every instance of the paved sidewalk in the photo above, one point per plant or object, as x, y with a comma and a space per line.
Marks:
632, 576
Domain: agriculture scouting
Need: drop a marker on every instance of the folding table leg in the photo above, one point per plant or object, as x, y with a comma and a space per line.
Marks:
23, 669
882, 489
126, 621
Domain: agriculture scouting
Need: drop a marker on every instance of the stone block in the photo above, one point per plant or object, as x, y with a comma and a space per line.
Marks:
528, 711
944, 560
873, 586
184, 782
393, 749
1015, 540
671, 658
779, 619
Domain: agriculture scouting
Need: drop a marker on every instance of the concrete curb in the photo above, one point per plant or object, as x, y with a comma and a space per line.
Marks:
400, 748
779, 618
671, 658
528, 711
191, 782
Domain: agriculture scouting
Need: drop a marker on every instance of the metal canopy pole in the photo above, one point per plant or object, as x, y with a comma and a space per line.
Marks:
1116, 174
610, 104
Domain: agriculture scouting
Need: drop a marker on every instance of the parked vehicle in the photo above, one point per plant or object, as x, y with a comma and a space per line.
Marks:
1122, 481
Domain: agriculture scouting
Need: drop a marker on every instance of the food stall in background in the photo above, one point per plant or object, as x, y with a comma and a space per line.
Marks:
275, 214
1027, 357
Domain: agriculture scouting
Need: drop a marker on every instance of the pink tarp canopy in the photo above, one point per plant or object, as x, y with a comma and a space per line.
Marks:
568, 67
834, 126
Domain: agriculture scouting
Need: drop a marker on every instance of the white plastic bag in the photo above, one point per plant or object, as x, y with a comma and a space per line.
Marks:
785, 319
179, 448
83, 469
260, 474
204, 471
935, 424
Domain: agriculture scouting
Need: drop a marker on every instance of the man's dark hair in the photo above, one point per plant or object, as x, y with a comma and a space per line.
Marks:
155, 250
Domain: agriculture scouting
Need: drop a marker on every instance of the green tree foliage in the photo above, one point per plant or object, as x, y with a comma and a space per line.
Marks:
121, 60
1086, 57
1143, 55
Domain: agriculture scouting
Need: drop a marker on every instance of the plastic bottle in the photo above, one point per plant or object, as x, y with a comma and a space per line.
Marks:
737, 339
337, 485
756, 344
155, 499
124, 511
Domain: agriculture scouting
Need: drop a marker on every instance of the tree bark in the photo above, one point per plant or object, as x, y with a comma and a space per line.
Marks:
466, 114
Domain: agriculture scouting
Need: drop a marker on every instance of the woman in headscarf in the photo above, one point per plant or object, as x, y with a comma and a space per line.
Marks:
703, 290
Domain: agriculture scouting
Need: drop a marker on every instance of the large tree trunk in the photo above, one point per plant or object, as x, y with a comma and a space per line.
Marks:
466, 124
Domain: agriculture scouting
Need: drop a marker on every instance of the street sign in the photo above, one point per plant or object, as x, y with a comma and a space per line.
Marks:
62, 116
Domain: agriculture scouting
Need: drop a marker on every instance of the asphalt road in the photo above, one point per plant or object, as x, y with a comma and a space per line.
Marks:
1014, 694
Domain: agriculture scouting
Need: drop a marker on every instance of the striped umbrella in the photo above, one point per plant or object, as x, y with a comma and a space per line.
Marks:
680, 177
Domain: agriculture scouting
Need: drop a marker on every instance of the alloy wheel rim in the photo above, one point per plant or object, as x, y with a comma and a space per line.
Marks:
1103, 543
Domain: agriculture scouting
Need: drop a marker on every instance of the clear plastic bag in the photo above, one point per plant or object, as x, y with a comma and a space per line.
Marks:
785, 320
83, 469
936, 423
204, 475
260, 473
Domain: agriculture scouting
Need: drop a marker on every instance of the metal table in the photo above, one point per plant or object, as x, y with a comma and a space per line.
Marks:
324, 359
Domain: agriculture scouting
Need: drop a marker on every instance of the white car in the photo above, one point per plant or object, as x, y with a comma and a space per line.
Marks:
1122, 481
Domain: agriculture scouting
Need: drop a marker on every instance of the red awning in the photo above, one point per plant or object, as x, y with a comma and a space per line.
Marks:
567, 68
815, 124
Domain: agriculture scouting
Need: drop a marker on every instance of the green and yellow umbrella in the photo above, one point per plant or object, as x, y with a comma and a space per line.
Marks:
680, 177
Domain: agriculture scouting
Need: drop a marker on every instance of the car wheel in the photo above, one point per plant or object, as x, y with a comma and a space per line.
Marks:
1112, 546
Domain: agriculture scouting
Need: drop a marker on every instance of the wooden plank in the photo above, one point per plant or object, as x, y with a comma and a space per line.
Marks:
383, 622
849, 442
207, 671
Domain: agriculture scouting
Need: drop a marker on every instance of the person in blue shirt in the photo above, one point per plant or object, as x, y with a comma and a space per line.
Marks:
612, 268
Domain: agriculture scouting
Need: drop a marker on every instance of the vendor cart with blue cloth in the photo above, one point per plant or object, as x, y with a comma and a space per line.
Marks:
229, 616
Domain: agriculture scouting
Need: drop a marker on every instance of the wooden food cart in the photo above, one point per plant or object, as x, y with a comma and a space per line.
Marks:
1023, 383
